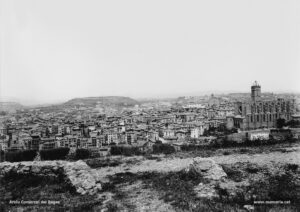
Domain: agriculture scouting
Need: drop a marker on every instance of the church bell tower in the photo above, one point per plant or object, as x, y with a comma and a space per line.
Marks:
255, 91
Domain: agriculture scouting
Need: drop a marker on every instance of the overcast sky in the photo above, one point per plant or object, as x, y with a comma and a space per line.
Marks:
59, 49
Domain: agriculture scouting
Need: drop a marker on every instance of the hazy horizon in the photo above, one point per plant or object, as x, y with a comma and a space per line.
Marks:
53, 51
34, 102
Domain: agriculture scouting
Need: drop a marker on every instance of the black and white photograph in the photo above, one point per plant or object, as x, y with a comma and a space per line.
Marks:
150, 106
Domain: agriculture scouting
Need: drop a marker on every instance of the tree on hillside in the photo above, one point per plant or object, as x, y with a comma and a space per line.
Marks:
280, 123
3, 113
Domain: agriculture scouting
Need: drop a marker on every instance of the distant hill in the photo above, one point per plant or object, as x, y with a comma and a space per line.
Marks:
10, 106
105, 101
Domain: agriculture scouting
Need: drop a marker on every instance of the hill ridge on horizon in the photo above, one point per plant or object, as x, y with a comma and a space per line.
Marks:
137, 99
103, 100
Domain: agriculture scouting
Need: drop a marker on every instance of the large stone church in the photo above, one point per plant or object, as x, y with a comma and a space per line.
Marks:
261, 111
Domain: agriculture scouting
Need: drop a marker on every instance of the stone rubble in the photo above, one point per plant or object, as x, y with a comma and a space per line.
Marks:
234, 188
215, 179
211, 172
206, 191
79, 174
207, 168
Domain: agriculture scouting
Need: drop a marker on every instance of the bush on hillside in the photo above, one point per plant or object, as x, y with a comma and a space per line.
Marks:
1, 155
82, 154
163, 148
54, 154
188, 147
25, 155
281, 185
124, 150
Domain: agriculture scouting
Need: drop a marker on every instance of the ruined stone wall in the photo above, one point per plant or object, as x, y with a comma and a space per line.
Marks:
79, 174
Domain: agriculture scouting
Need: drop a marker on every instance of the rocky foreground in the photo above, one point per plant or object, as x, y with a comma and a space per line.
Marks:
172, 184
84, 179
88, 181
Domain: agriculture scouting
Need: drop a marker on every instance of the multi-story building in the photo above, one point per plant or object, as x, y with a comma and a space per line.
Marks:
3, 130
130, 137
48, 143
4, 142
34, 143
261, 112
168, 133
197, 131
70, 141
100, 141
111, 137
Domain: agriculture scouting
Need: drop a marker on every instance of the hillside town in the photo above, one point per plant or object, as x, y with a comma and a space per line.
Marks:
184, 120
149, 106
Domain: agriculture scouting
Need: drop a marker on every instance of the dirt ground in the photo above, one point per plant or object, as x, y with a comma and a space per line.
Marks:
143, 194
283, 155
140, 198
136, 196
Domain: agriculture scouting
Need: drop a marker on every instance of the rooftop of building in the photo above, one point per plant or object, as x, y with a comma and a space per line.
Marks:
255, 84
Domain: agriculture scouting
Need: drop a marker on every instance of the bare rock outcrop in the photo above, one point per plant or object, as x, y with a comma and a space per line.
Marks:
207, 168
206, 190
79, 174
211, 172
215, 180
233, 189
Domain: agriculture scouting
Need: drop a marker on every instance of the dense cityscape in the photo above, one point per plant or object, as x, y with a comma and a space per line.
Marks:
97, 124
149, 106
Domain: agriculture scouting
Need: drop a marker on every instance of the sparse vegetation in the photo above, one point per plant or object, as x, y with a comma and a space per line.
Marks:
210, 152
19, 187
175, 188
233, 172
265, 183
280, 185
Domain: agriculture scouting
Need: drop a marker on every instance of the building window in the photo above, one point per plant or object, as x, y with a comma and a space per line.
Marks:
251, 119
257, 117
